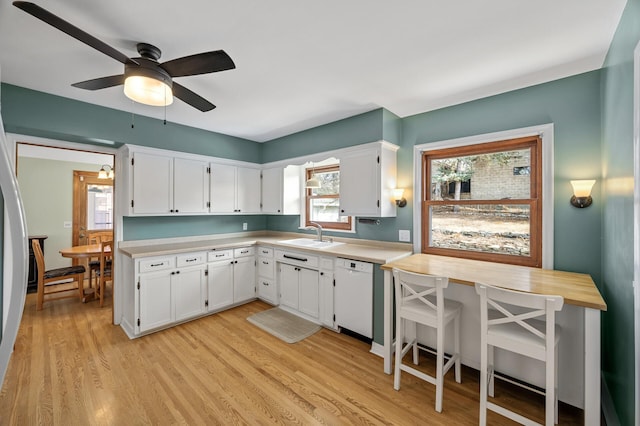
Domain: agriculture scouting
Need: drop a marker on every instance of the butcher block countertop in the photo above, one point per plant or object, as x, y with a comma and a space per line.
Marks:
364, 250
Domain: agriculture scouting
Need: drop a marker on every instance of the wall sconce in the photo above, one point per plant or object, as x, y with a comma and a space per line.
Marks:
397, 195
106, 172
582, 193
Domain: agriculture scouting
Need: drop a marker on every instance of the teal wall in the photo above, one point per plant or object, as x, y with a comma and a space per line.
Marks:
591, 113
617, 200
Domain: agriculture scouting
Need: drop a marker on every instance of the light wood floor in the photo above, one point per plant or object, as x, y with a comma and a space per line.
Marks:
72, 367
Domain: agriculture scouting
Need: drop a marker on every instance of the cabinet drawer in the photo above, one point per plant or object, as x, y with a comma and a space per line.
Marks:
216, 255
191, 259
265, 251
155, 264
297, 258
266, 267
326, 263
244, 252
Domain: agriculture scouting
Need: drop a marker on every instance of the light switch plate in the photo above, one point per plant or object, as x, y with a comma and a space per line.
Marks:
404, 235
66, 224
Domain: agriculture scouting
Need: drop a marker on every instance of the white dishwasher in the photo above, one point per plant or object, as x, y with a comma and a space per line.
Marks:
353, 297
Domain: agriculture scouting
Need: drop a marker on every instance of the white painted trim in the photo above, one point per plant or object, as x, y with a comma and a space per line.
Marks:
636, 223
544, 130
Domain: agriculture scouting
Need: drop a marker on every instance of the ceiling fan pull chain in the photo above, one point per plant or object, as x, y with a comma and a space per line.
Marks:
133, 104
165, 106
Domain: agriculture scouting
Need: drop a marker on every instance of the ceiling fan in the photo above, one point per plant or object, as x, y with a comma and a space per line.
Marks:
145, 79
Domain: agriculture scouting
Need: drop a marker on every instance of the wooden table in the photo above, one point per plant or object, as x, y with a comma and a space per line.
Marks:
84, 252
577, 289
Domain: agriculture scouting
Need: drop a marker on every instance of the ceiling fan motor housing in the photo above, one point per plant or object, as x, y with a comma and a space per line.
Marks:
148, 68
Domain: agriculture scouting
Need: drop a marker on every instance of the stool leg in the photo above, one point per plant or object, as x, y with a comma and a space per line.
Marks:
483, 380
490, 377
549, 403
439, 368
416, 352
456, 346
399, 342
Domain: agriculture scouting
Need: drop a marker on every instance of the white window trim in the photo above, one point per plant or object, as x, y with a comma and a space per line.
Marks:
303, 194
545, 131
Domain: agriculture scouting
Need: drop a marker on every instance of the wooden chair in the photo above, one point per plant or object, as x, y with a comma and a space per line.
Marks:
507, 322
104, 272
96, 237
420, 300
55, 282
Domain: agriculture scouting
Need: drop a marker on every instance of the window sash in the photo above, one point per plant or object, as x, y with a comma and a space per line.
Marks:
310, 196
533, 143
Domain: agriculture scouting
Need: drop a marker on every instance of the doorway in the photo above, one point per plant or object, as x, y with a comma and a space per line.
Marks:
92, 206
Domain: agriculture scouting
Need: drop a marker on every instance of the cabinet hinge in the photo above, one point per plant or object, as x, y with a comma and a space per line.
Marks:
131, 203
138, 322
334, 317
206, 272
206, 303
334, 282
138, 285
378, 159
208, 203
261, 205
378, 203
209, 170
132, 161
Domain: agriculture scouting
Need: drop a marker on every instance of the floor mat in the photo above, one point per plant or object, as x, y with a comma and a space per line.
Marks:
284, 325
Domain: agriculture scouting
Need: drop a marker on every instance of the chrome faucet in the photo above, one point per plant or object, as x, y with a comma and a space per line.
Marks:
318, 229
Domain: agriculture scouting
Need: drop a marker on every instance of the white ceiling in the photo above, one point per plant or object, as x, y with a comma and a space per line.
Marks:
301, 64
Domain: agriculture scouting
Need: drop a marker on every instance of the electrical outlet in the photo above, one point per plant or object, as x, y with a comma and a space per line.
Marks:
404, 235
244, 226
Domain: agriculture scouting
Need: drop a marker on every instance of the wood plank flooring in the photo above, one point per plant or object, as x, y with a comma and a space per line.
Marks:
72, 367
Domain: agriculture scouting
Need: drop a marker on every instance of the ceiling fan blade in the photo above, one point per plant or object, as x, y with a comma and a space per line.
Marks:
73, 31
100, 83
201, 63
191, 98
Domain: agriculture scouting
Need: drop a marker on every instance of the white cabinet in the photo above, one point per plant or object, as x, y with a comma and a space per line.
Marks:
326, 300
170, 289
267, 288
220, 279
152, 183
244, 274
367, 179
234, 189
163, 184
281, 190
299, 285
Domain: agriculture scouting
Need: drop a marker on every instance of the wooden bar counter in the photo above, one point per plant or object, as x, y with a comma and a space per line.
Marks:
579, 292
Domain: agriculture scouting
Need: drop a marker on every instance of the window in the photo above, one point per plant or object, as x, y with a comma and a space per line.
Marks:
483, 201
323, 204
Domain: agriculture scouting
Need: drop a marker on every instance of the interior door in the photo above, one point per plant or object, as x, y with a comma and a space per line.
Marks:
92, 205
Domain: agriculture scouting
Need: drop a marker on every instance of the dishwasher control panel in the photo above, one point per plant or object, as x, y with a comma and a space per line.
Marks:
354, 265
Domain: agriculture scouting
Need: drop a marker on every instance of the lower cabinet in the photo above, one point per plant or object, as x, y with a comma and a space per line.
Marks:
299, 289
267, 286
220, 283
326, 300
170, 291
231, 277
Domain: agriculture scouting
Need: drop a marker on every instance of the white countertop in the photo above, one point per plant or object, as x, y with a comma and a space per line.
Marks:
365, 250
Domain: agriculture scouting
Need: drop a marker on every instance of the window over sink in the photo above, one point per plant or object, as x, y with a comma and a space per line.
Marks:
323, 203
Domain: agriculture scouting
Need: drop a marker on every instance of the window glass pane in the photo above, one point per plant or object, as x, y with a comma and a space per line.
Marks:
487, 228
99, 207
329, 183
326, 210
490, 176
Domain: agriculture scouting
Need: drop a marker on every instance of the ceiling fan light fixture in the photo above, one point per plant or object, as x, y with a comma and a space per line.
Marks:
147, 84
148, 91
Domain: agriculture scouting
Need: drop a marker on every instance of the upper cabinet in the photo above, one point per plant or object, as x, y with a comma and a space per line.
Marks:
367, 180
160, 182
234, 189
281, 190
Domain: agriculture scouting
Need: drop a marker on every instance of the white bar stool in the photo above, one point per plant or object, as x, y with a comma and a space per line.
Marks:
420, 300
517, 331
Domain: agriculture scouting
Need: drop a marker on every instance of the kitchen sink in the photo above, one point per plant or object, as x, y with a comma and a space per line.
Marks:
309, 243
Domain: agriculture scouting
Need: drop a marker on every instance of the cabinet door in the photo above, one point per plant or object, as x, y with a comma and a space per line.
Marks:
359, 184
289, 285
190, 186
244, 279
267, 290
152, 186
308, 293
188, 288
248, 190
220, 284
155, 309
326, 298
272, 190
222, 188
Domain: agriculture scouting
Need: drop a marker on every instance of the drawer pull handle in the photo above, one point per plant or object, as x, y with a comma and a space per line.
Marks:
244, 251
153, 265
191, 260
301, 259
264, 262
263, 283
220, 255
